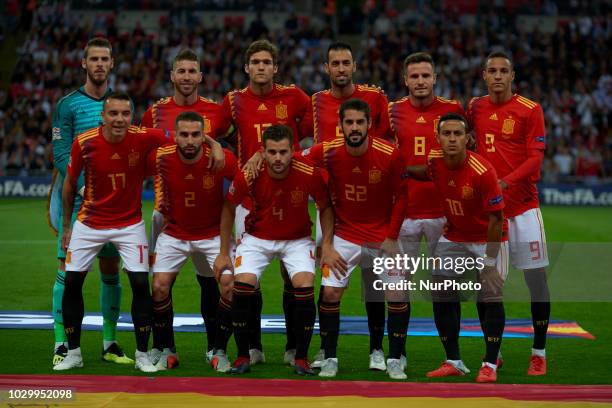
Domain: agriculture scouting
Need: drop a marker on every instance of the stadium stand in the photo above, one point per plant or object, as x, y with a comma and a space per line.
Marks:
558, 48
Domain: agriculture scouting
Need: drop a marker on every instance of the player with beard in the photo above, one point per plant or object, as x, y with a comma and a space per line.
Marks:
190, 199
340, 66
414, 120
74, 114
278, 226
185, 77
369, 199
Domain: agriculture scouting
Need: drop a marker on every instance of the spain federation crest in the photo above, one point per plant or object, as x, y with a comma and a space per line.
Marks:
374, 176
508, 127
467, 193
133, 158
208, 182
297, 196
207, 126
281, 111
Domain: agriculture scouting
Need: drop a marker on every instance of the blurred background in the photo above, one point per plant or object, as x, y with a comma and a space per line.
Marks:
561, 51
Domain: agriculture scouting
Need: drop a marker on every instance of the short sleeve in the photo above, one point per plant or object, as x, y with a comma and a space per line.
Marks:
151, 168
536, 130
238, 189
231, 165
313, 155
147, 118
75, 164
319, 190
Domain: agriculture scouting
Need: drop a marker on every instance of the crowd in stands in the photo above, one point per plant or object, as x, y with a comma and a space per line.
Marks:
567, 71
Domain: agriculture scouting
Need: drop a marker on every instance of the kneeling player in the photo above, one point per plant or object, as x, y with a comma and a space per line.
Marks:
370, 201
191, 199
474, 229
278, 226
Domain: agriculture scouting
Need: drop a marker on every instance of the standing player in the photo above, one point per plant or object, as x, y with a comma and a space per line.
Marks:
277, 226
369, 197
190, 196
340, 67
185, 77
113, 157
414, 120
252, 110
510, 133
473, 205
75, 113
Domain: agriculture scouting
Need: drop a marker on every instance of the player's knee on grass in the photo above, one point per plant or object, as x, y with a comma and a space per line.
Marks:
227, 285
332, 294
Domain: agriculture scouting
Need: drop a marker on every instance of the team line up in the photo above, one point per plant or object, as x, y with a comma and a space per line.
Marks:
463, 181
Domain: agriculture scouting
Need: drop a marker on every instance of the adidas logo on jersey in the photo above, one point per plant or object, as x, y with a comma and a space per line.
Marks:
421, 120
356, 169
262, 107
493, 116
189, 177
116, 157
452, 183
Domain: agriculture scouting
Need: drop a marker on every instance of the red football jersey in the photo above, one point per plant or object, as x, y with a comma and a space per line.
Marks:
326, 118
190, 195
415, 132
162, 115
368, 192
507, 135
469, 192
252, 114
114, 173
280, 207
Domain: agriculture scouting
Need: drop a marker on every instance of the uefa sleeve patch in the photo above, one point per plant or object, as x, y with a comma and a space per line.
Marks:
496, 200
540, 139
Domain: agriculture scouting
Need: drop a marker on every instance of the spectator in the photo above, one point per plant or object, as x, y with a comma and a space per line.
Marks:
559, 69
564, 162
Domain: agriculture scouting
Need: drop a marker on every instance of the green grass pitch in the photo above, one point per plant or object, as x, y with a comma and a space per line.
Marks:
28, 268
